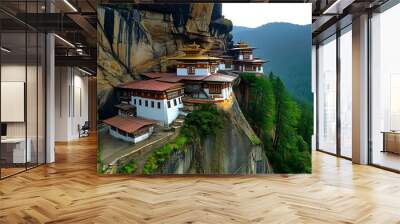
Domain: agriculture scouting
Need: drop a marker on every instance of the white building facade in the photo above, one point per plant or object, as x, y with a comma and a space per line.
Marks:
119, 134
163, 110
154, 100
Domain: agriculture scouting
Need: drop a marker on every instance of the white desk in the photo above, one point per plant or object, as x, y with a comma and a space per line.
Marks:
19, 154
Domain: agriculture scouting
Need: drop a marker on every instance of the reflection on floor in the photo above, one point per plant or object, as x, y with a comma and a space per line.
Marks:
386, 159
10, 171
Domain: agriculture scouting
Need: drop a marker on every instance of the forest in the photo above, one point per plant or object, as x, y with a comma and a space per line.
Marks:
282, 123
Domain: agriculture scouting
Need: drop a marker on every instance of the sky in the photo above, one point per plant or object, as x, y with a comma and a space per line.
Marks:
256, 14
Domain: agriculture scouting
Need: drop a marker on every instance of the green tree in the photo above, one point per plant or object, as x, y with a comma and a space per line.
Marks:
284, 125
290, 152
260, 107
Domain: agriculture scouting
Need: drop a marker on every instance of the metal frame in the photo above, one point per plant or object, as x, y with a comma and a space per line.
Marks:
337, 34
387, 5
44, 74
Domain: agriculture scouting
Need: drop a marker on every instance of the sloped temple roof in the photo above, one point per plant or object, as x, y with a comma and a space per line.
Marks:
128, 124
173, 78
152, 85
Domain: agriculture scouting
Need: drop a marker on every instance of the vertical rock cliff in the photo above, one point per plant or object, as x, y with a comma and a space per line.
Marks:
137, 38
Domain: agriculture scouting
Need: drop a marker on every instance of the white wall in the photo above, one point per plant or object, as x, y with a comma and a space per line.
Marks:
181, 71
197, 71
71, 103
33, 126
163, 114
225, 93
202, 71
129, 139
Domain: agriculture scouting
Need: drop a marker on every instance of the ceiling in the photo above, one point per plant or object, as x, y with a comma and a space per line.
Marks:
75, 21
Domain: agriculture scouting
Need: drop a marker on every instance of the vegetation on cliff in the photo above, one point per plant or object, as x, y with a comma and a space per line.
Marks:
284, 125
205, 121
128, 168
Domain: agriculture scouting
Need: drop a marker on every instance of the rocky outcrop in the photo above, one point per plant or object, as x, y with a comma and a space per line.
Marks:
137, 38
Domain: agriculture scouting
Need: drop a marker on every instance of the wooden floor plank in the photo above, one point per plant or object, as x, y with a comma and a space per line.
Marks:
70, 191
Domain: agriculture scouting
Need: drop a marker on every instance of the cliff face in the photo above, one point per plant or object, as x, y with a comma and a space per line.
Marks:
138, 38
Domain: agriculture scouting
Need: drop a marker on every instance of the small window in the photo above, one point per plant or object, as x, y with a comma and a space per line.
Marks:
169, 104
152, 104
140, 102
174, 102
134, 101
121, 132
180, 100
146, 103
158, 105
191, 70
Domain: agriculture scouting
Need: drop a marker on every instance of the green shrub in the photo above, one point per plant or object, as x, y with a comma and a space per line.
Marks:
128, 168
162, 154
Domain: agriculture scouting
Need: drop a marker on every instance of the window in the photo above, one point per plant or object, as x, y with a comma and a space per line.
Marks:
131, 135
152, 104
385, 89
140, 102
174, 102
215, 88
346, 92
191, 70
180, 100
146, 103
327, 95
121, 132
134, 101
113, 128
158, 105
169, 104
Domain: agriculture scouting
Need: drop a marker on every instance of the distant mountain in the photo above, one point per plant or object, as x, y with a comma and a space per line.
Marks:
287, 47
237, 29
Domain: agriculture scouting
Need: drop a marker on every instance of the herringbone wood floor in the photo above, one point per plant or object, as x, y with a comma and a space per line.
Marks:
70, 191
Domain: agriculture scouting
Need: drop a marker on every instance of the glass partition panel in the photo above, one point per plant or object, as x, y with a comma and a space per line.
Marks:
14, 153
22, 77
346, 92
41, 99
327, 95
32, 97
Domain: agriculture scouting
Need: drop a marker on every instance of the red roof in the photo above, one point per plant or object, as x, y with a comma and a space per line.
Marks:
152, 85
170, 78
154, 75
128, 124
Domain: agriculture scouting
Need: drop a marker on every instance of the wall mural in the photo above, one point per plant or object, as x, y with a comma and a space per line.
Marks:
184, 90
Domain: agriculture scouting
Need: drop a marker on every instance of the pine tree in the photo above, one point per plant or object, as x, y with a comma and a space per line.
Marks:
289, 150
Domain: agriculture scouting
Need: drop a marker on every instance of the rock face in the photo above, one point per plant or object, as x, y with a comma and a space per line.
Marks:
138, 38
